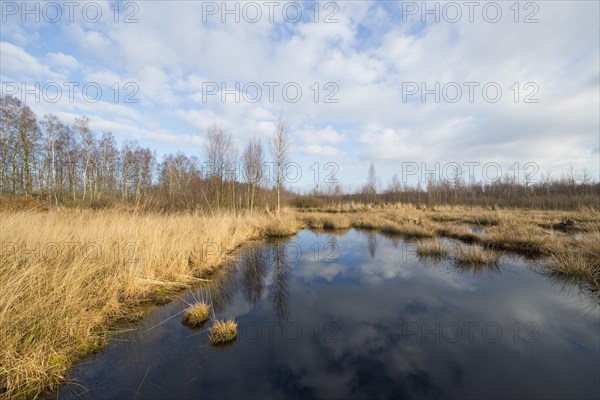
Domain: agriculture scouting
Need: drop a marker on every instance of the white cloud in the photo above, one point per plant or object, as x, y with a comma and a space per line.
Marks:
62, 60
18, 64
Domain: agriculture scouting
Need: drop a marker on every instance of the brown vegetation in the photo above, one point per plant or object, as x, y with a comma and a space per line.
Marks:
223, 332
67, 274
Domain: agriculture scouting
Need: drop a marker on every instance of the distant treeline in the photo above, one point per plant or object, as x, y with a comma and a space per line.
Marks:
70, 164
555, 195
570, 191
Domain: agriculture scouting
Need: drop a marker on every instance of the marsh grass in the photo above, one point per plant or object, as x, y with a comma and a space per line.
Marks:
163, 294
521, 238
580, 265
338, 222
223, 332
282, 226
431, 249
409, 229
71, 274
325, 221
461, 233
475, 255
196, 315
57, 300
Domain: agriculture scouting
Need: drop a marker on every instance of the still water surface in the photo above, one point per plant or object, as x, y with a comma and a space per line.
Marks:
359, 315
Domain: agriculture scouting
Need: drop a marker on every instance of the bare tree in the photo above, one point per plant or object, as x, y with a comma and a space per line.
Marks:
279, 147
28, 140
53, 127
87, 142
456, 181
253, 168
220, 154
371, 188
395, 187
9, 114
108, 163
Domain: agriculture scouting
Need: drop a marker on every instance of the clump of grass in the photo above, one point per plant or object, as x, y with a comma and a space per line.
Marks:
459, 232
443, 217
431, 249
336, 222
223, 332
196, 314
414, 230
313, 221
579, 265
484, 220
282, 226
472, 255
365, 221
572, 267
164, 294
520, 238
408, 229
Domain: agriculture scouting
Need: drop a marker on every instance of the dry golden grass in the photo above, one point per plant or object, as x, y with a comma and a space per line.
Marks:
284, 225
459, 232
223, 332
325, 221
65, 275
579, 263
196, 314
339, 222
475, 255
431, 248
520, 237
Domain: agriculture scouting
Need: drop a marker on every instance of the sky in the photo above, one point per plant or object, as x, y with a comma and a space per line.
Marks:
417, 88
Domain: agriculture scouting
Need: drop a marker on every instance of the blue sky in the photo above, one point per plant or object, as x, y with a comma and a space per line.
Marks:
369, 56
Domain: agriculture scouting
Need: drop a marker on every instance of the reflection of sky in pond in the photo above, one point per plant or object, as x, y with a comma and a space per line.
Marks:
359, 316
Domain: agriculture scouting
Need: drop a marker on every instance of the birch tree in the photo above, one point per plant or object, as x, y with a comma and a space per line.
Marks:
279, 147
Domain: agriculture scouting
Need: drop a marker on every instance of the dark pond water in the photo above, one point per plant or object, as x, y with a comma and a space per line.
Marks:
358, 315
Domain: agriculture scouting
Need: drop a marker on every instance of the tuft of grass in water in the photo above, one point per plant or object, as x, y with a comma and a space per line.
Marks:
313, 220
282, 226
471, 255
365, 221
408, 229
223, 332
431, 248
520, 238
326, 221
336, 222
580, 265
196, 314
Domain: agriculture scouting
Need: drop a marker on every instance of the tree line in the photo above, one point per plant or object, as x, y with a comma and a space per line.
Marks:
570, 190
71, 164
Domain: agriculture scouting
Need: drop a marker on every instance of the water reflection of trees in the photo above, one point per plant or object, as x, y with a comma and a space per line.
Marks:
253, 265
223, 285
250, 272
372, 243
278, 292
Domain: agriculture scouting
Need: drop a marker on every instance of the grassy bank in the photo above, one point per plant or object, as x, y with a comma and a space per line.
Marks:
66, 275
